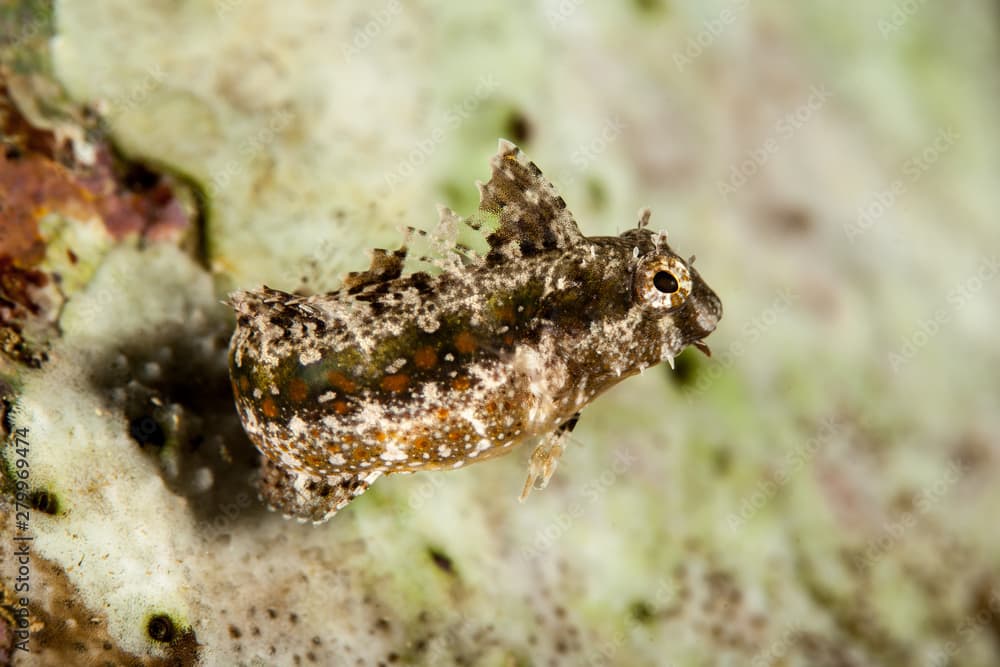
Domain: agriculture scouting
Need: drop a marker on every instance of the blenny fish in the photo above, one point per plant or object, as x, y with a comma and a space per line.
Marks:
400, 372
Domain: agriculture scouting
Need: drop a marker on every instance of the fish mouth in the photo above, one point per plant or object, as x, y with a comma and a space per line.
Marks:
708, 313
696, 320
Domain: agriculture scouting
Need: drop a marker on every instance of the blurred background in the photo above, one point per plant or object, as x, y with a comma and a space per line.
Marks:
821, 491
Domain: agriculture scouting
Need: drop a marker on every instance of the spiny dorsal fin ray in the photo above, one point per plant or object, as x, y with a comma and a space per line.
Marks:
385, 266
442, 249
520, 213
532, 215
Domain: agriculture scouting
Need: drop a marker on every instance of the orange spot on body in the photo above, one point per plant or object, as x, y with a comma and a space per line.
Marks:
314, 460
381, 436
465, 342
442, 414
298, 390
454, 435
269, 407
508, 338
425, 358
341, 407
395, 383
341, 382
460, 384
244, 384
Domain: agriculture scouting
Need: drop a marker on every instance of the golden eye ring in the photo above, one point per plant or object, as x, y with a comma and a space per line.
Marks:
662, 281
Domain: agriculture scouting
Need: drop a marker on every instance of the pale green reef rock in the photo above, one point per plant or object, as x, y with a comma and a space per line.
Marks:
822, 491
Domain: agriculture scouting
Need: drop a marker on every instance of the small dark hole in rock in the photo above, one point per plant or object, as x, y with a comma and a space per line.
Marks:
442, 560
139, 177
642, 611
5, 410
160, 628
147, 431
43, 501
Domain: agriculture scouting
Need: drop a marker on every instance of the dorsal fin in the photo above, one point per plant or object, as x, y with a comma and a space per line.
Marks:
385, 266
532, 217
520, 214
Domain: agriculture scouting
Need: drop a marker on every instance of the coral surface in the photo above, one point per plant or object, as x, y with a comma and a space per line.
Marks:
820, 492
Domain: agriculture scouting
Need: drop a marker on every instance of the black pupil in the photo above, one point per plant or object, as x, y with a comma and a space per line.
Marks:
665, 282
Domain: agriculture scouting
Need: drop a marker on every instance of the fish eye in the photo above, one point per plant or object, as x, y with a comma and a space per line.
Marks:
662, 281
665, 282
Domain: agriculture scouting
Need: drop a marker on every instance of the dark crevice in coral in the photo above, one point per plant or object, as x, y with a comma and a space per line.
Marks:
138, 177
161, 629
6, 409
40, 174
159, 183
442, 561
642, 612
201, 220
146, 431
175, 397
44, 501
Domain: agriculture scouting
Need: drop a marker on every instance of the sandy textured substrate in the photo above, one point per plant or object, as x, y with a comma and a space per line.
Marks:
822, 491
